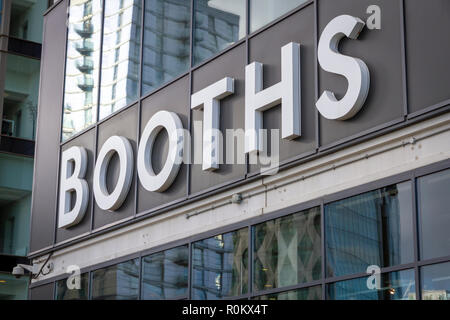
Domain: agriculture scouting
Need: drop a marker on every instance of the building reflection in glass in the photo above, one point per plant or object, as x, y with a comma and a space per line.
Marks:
392, 286
119, 282
82, 66
165, 274
220, 266
166, 41
374, 228
120, 55
287, 251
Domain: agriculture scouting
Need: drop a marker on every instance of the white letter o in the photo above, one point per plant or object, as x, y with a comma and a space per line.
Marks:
163, 180
122, 147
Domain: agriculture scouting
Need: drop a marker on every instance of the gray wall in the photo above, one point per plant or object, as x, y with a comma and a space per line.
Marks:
410, 73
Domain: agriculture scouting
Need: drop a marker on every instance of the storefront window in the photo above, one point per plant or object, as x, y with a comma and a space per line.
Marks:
218, 24
434, 201
313, 293
167, 38
374, 228
73, 288
21, 94
436, 282
263, 12
82, 66
12, 288
287, 251
165, 274
391, 286
119, 282
220, 266
120, 55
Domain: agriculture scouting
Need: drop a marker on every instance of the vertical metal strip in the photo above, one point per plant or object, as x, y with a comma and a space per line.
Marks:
404, 58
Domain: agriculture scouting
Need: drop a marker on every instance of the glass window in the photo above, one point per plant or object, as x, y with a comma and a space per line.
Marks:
313, 293
373, 228
165, 274
166, 54
392, 286
119, 282
121, 55
287, 251
220, 266
263, 12
12, 288
73, 288
436, 282
434, 204
21, 94
82, 66
16, 178
218, 24
26, 19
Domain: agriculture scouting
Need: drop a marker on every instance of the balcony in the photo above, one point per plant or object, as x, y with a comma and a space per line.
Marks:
86, 83
85, 29
85, 66
17, 146
85, 47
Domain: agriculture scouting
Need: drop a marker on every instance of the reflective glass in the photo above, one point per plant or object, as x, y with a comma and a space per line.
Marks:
12, 288
73, 288
26, 19
165, 274
119, 282
391, 286
373, 228
434, 204
287, 251
121, 55
220, 266
21, 93
313, 293
166, 54
436, 282
263, 12
82, 66
217, 25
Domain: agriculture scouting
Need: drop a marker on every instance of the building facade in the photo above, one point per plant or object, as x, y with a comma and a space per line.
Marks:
138, 195
21, 38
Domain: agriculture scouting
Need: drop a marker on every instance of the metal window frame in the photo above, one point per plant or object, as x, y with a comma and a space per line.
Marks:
410, 176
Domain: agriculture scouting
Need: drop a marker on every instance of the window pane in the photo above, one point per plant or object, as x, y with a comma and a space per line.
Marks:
12, 288
82, 65
263, 12
166, 55
287, 250
25, 19
434, 204
20, 97
392, 286
374, 228
16, 179
165, 274
119, 282
220, 266
436, 282
121, 55
78, 290
313, 293
218, 24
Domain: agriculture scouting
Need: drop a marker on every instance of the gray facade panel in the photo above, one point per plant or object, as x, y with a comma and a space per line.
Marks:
49, 126
266, 48
122, 124
428, 46
231, 64
174, 98
45, 292
87, 141
381, 50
